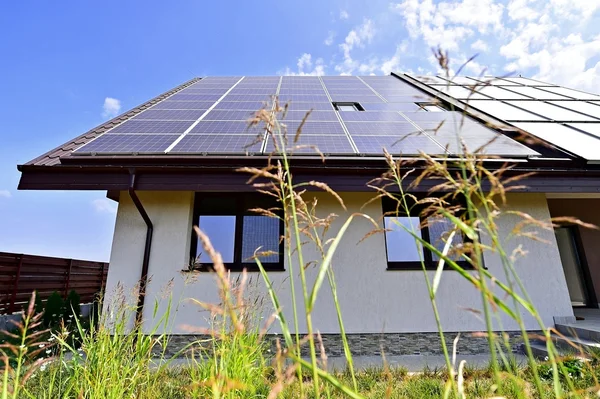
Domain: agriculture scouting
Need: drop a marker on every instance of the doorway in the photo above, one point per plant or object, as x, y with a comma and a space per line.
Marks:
575, 267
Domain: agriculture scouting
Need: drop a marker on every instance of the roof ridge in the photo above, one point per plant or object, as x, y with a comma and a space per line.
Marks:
51, 157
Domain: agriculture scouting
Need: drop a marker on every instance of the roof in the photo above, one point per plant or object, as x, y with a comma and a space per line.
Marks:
202, 124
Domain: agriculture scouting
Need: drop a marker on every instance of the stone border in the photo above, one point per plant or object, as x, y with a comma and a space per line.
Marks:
368, 344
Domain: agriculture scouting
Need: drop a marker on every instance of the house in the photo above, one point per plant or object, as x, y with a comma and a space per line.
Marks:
170, 163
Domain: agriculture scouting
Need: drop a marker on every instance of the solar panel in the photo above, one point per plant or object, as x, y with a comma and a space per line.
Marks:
218, 144
409, 98
325, 144
551, 111
255, 92
579, 95
580, 106
404, 106
498, 145
578, 143
168, 104
381, 128
128, 143
462, 93
228, 115
324, 116
356, 98
504, 111
295, 106
500, 93
408, 145
303, 99
246, 97
538, 94
142, 126
198, 91
591, 128
172, 115
315, 128
527, 82
373, 116
194, 97
224, 127
302, 92
448, 116
241, 105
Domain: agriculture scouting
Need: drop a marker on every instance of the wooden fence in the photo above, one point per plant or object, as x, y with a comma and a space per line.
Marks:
21, 274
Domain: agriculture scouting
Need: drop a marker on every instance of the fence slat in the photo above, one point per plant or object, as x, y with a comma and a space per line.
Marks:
22, 274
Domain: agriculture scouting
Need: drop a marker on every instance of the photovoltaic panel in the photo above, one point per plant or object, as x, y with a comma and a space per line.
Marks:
403, 106
372, 116
551, 111
504, 111
462, 93
576, 94
224, 128
195, 97
218, 144
409, 98
143, 126
246, 97
407, 145
538, 94
228, 115
241, 105
432, 80
591, 128
317, 106
301, 99
172, 115
254, 92
218, 92
396, 129
581, 144
500, 93
315, 128
580, 106
324, 116
325, 144
357, 98
448, 117
168, 104
128, 143
528, 82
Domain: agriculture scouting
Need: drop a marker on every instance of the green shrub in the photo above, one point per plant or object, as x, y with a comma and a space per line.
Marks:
54, 309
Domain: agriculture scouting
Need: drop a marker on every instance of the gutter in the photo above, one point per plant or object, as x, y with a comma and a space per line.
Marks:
147, 247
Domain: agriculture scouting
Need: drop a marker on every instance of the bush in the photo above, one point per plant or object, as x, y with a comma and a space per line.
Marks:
54, 309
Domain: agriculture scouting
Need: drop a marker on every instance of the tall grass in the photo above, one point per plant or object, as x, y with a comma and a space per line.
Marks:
232, 361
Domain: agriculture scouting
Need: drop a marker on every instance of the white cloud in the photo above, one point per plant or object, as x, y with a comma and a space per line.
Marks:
480, 45
330, 38
306, 67
111, 107
549, 40
104, 205
5, 194
344, 15
357, 37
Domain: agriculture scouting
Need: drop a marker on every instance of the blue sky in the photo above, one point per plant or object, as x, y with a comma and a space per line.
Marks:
68, 66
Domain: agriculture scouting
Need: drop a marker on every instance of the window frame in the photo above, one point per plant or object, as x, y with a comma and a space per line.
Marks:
425, 107
355, 105
243, 202
388, 205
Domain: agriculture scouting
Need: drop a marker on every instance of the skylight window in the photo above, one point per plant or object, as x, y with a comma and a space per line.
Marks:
348, 106
430, 107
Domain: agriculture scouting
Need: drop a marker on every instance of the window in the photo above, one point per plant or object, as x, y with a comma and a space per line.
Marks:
348, 107
403, 252
430, 107
236, 232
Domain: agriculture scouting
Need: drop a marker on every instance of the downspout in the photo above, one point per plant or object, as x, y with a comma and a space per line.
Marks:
147, 247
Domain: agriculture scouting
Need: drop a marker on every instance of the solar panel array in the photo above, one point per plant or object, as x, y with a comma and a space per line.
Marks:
567, 118
210, 117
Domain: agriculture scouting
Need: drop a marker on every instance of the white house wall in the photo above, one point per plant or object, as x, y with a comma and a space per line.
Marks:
373, 300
